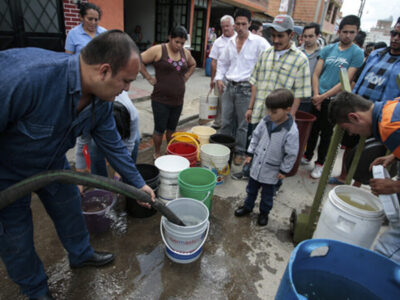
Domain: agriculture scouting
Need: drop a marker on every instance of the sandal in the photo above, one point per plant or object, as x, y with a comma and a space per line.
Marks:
335, 181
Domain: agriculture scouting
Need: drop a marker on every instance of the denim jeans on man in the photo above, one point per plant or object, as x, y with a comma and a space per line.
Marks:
39, 123
267, 195
235, 102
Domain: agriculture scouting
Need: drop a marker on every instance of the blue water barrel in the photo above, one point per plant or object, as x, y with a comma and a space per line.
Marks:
208, 66
327, 269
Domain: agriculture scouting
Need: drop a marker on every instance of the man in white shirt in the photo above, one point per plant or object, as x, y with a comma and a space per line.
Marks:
217, 49
235, 66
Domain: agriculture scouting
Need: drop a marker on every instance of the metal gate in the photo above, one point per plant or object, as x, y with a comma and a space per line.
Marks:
32, 23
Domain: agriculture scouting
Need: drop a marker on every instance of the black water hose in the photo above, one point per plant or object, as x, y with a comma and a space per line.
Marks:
36, 182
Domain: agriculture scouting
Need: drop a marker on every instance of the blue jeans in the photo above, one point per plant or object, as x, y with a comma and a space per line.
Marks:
235, 102
97, 157
267, 195
63, 204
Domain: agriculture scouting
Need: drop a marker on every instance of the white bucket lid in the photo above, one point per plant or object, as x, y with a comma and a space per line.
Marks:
357, 195
172, 163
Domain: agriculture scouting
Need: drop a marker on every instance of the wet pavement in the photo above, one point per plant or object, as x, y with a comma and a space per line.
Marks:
240, 260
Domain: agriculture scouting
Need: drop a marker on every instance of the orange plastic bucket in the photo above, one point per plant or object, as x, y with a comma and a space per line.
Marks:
185, 150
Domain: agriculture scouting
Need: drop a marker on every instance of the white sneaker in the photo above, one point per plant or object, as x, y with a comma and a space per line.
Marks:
305, 161
317, 171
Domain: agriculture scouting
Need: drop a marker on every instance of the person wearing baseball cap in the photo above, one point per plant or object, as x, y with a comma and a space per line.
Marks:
282, 23
281, 66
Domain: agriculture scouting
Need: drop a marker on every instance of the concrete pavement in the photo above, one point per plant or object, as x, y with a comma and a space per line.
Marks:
240, 259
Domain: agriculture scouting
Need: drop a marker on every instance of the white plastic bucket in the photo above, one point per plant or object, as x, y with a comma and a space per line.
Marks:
170, 166
204, 133
208, 107
215, 157
345, 222
184, 243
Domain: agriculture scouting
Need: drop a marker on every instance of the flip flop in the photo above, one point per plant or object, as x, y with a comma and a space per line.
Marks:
334, 181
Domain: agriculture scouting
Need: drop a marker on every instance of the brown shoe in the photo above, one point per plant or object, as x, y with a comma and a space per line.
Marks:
238, 160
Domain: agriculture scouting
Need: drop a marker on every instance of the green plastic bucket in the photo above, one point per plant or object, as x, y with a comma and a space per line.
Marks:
197, 183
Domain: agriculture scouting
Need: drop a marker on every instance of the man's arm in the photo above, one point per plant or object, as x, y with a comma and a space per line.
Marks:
302, 86
338, 87
384, 186
315, 83
213, 71
223, 64
251, 103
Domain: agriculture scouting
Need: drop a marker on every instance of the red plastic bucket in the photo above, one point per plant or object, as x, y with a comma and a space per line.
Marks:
185, 150
304, 123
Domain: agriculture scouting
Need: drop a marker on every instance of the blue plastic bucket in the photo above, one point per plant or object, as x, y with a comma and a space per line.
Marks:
327, 269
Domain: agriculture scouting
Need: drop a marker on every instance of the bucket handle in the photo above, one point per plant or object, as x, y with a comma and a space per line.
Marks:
191, 138
208, 94
205, 198
219, 172
184, 253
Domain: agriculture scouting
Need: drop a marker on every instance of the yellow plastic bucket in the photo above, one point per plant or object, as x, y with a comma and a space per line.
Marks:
185, 137
204, 133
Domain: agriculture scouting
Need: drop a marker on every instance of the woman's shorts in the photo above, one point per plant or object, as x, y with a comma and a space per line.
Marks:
166, 116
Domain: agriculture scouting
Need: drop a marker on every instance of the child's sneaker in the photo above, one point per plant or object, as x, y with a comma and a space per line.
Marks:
317, 171
305, 161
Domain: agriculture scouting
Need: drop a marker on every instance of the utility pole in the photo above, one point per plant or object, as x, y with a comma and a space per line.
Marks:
360, 11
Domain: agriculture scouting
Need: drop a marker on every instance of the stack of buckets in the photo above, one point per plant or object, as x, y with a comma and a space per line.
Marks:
170, 166
184, 244
189, 150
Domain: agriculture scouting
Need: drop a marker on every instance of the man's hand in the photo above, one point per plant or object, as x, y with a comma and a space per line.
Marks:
383, 160
280, 176
149, 191
248, 114
384, 186
212, 84
221, 86
317, 101
152, 80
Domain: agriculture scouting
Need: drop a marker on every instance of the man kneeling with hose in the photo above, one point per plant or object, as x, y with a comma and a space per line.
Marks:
47, 100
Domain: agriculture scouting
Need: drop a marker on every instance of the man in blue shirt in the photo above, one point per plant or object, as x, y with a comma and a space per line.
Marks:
47, 100
326, 84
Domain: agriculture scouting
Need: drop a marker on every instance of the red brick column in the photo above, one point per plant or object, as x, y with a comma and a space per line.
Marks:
71, 14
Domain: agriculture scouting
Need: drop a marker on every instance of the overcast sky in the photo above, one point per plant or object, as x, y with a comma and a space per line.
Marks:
373, 10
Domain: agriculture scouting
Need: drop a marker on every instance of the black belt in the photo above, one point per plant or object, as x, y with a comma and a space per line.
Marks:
238, 82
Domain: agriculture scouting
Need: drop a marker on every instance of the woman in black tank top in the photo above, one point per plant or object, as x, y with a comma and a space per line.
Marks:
173, 65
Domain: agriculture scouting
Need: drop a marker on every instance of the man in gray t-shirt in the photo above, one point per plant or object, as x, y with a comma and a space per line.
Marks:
311, 49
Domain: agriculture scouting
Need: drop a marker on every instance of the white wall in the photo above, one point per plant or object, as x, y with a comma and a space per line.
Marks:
143, 13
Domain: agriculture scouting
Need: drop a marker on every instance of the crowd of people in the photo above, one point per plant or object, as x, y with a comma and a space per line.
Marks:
52, 101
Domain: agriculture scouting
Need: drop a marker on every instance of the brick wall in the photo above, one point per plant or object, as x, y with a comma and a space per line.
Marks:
305, 10
71, 15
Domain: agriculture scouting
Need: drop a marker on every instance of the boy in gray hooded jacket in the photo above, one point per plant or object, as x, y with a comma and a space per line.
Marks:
272, 151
